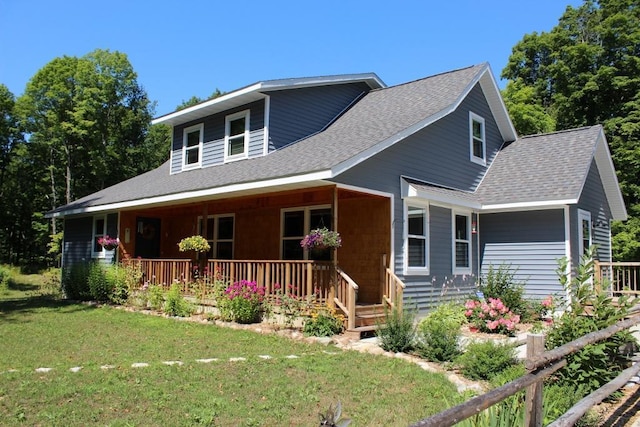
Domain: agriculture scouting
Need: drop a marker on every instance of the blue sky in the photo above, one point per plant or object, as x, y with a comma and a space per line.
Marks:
186, 48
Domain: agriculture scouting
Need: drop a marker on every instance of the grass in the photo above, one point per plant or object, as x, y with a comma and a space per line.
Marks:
38, 331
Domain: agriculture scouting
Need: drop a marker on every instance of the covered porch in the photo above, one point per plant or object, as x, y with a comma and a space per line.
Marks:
257, 238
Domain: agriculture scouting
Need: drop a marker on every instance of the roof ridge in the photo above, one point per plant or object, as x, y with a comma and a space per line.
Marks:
431, 76
560, 131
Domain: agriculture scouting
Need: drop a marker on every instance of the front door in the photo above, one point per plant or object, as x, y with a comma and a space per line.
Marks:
147, 237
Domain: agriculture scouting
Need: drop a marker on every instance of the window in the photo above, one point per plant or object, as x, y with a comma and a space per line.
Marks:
477, 144
236, 136
296, 223
584, 219
219, 234
416, 253
99, 230
462, 243
192, 146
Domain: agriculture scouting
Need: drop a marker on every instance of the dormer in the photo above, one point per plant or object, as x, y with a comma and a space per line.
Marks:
258, 119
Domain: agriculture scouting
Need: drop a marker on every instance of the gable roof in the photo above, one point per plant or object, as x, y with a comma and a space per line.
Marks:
538, 171
379, 119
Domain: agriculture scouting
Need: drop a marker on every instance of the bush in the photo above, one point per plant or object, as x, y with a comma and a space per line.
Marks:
324, 322
500, 284
175, 304
100, 287
439, 333
242, 302
75, 283
398, 332
155, 296
598, 363
485, 360
5, 273
492, 317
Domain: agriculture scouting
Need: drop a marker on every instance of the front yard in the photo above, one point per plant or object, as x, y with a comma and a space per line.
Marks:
225, 377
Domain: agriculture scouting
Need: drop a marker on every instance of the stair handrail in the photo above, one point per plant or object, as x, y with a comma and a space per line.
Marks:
394, 287
348, 306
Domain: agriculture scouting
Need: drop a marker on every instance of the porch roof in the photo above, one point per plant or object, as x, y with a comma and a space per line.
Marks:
381, 118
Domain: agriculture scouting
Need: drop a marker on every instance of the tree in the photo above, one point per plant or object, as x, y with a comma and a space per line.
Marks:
197, 100
586, 71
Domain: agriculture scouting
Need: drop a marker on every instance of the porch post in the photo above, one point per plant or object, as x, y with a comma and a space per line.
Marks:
334, 273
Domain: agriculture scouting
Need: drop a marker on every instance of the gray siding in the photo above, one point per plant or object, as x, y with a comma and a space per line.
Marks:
437, 154
594, 200
530, 243
298, 113
78, 234
213, 138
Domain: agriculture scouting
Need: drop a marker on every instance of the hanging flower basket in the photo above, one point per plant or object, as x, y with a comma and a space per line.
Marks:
108, 243
321, 238
194, 243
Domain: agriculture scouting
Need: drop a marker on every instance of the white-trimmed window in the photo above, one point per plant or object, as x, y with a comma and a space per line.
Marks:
219, 234
584, 231
417, 239
477, 140
461, 243
99, 230
192, 138
298, 222
236, 136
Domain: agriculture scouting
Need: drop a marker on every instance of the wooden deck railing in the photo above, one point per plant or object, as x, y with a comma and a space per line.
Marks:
346, 293
622, 277
393, 289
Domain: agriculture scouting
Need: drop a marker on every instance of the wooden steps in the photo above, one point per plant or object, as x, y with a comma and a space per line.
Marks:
368, 317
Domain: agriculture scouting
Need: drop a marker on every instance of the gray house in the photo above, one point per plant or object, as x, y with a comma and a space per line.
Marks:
427, 183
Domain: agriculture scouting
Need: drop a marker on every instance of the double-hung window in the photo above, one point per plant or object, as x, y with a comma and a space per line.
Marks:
584, 218
416, 246
477, 140
219, 234
298, 222
192, 138
236, 136
99, 230
461, 243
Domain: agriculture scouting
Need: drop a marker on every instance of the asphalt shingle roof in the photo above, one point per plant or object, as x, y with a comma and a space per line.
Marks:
379, 115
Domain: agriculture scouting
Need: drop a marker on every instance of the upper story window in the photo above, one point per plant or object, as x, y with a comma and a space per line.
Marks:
477, 142
192, 146
461, 243
416, 244
236, 136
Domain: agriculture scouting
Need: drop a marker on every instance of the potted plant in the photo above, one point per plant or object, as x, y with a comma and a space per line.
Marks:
195, 243
108, 243
321, 238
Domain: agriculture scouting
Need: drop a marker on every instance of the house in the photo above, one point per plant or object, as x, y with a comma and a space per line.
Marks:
427, 183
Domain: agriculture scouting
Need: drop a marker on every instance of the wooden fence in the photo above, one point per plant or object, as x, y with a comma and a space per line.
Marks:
540, 365
622, 277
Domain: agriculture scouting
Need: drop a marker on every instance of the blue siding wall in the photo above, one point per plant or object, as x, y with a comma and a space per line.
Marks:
298, 113
593, 200
437, 154
78, 235
530, 243
213, 138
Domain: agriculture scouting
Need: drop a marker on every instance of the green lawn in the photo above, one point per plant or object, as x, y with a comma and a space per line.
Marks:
39, 332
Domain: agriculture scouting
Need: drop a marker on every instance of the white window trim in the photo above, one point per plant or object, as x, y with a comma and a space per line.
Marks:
454, 240
584, 215
227, 128
307, 224
475, 159
405, 239
213, 242
102, 253
186, 131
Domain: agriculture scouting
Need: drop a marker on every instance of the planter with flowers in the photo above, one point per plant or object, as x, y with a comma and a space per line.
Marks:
196, 245
108, 243
321, 238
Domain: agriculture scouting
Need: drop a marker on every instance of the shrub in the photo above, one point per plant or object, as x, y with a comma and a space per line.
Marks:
155, 296
439, 332
244, 302
115, 276
484, 360
99, 287
597, 363
500, 283
175, 304
324, 322
398, 332
492, 316
287, 305
75, 283
5, 273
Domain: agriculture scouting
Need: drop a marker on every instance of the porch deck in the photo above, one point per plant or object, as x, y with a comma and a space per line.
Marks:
322, 280
621, 278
